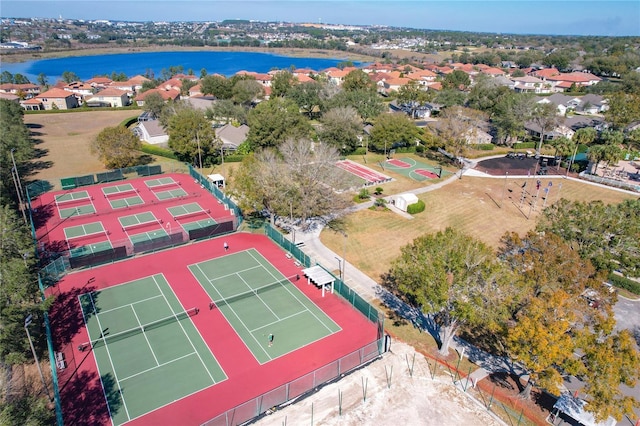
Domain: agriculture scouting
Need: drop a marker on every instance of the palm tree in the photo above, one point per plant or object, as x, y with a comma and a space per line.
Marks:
564, 147
545, 116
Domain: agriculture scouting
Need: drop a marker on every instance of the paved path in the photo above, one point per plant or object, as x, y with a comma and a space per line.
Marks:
370, 290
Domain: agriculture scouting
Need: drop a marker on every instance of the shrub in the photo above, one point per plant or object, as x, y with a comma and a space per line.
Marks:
360, 151
233, 158
484, 146
523, 145
380, 202
626, 283
129, 121
158, 150
378, 190
363, 194
416, 207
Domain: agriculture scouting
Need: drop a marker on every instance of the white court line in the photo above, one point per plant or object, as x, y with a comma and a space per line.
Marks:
158, 366
113, 369
299, 301
255, 291
234, 313
145, 335
183, 330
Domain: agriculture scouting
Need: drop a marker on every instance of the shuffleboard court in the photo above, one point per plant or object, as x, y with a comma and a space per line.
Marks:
121, 203
146, 347
269, 313
118, 189
170, 193
163, 181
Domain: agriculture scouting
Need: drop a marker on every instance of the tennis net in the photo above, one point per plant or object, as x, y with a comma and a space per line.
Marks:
107, 338
256, 292
203, 213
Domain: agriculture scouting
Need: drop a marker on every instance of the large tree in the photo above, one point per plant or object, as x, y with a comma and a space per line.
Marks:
274, 121
307, 96
192, 137
366, 102
16, 142
606, 234
116, 147
357, 80
391, 131
414, 95
509, 115
545, 115
453, 277
458, 80
457, 127
624, 108
282, 82
299, 180
341, 128
216, 85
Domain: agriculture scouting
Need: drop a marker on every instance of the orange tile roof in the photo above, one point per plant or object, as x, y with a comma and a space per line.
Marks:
546, 72
111, 91
55, 93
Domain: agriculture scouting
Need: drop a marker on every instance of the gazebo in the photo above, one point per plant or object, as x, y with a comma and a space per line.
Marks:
319, 276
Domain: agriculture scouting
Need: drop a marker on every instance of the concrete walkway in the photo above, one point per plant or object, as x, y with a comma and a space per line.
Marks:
370, 290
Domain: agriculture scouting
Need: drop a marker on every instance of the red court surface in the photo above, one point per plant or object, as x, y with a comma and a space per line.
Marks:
51, 217
369, 175
426, 173
399, 163
83, 397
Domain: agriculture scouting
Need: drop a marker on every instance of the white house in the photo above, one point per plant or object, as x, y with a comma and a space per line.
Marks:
152, 132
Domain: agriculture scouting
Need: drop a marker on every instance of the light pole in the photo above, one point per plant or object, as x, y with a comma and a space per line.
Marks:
339, 266
344, 261
18, 185
27, 322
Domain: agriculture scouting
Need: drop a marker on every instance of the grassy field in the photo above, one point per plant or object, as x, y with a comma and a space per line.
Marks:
62, 142
485, 208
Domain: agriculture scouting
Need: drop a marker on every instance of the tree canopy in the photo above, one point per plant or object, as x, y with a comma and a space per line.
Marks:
192, 138
274, 121
453, 277
116, 147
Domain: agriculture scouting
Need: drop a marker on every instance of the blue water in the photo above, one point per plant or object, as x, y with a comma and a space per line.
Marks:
225, 63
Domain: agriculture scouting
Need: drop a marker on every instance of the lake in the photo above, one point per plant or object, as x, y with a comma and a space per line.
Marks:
225, 63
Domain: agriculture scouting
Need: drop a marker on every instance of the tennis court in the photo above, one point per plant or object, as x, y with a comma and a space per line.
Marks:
149, 236
122, 203
146, 347
72, 196
163, 181
138, 220
83, 209
85, 230
267, 311
118, 189
92, 248
170, 193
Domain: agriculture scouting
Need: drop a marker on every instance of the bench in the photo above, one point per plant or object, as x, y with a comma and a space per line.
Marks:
60, 361
288, 255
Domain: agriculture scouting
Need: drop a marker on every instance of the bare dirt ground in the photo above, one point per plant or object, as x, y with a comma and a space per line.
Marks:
409, 400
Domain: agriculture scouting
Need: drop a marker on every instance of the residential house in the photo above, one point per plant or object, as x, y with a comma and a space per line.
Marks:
32, 104
231, 136
592, 104
57, 99
564, 81
394, 84
111, 97
80, 88
530, 84
99, 82
25, 91
535, 130
167, 95
131, 86
152, 132
10, 97
545, 73
492, 72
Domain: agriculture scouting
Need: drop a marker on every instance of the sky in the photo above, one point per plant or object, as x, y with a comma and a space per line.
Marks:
565, 17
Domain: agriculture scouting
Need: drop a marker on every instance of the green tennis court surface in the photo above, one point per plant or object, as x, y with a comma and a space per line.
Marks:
76, 211
86, 230
126, 202
198, 224
143, 237
118, 189
147, 349
90, 249
153, 183
185, 210
171, 193
72, 196
258, 301
139, 219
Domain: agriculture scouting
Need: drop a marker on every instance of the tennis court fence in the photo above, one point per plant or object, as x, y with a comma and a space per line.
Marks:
213, 188
57, 263
300, 387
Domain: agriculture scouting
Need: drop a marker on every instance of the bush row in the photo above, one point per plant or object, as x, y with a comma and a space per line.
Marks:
157, 150
523, 145
484, 146
626, 283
